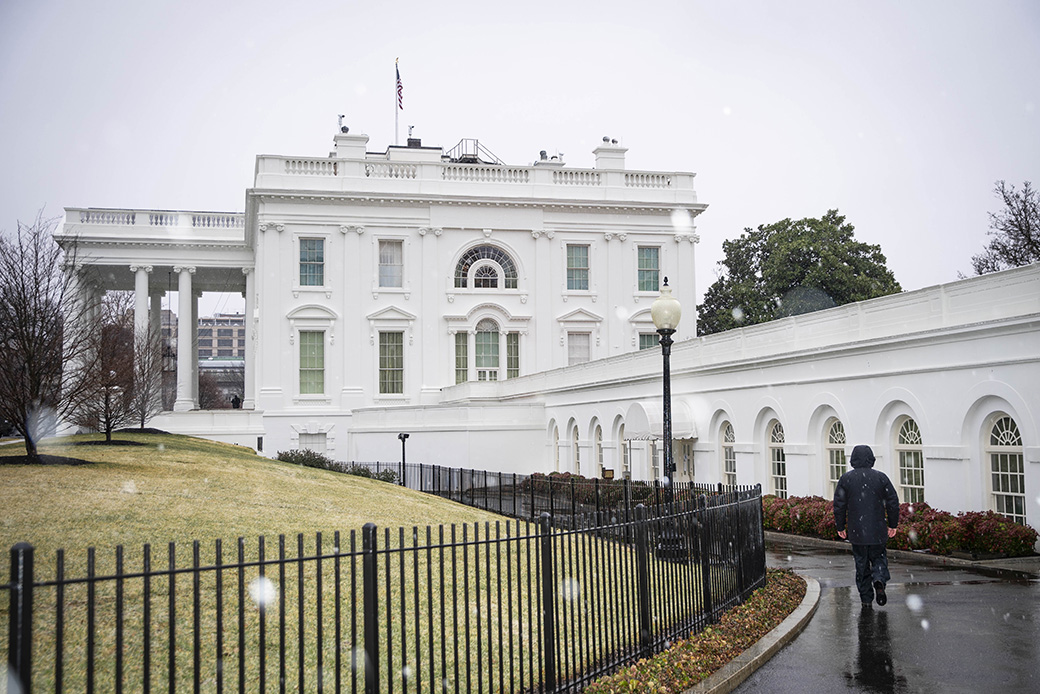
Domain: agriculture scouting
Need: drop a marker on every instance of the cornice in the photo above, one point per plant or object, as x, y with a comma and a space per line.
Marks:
633, 207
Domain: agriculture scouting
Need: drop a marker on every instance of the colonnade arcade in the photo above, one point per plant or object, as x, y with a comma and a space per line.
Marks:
150, 283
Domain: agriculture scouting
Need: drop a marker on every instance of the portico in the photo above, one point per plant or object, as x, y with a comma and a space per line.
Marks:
154, 253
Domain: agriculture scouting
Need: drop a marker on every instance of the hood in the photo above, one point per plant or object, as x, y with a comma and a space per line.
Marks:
862, 456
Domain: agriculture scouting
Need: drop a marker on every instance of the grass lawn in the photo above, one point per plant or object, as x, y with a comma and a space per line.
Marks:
178, 488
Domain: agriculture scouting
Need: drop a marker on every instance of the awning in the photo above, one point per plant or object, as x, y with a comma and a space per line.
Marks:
645, 420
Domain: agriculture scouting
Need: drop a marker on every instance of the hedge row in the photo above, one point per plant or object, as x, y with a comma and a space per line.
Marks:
920, 527
321, 461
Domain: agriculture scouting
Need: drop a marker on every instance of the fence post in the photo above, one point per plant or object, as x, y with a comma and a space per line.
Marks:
643, 577
548, 609
705, 548
370, 579
19, 647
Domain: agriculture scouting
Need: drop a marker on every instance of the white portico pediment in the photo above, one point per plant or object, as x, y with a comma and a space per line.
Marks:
312, 312
579, 315
469, 320
390, 318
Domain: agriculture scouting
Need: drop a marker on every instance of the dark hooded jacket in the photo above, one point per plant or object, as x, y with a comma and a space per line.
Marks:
862, 500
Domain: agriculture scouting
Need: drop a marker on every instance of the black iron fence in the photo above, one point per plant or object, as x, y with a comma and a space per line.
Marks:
562, 496
512, 606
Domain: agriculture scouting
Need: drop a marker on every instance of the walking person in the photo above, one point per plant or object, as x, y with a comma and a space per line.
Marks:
866, 512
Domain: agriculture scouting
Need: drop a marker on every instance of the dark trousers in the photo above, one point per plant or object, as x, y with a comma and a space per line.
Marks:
871, 566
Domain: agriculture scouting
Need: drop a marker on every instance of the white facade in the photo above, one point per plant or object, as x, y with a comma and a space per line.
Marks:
447, 297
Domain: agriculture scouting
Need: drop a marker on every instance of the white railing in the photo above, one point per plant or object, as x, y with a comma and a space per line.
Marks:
117, 217
648, 180
388, 170
311, 167
576, 178
161, 218
495, 174
218, 221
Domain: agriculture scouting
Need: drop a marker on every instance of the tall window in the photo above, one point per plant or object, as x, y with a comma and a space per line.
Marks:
512, 355
655, 459
777, 460
556, 448
391, 263
486, 274
729, 455
312, 262
461, 357
835, 453
626, 453
577, 267
649, 268
578, 349
911, 462
575, 450
486, 350
1007, 471
312, 362
391, 362
597, 443
649, 340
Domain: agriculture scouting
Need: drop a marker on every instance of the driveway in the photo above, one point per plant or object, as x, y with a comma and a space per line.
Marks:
944, 629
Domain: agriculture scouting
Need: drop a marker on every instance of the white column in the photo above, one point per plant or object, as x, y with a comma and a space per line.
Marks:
195, 348
503, 360
249, 394
185, 333
141, 273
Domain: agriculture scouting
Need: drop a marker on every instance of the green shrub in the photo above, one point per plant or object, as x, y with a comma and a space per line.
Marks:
364, 471
308, 459
920, 527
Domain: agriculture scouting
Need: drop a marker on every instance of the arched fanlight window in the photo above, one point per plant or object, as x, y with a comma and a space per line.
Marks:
835, 447
488, 260
729, 455
1007, 472
777, 460
911, 462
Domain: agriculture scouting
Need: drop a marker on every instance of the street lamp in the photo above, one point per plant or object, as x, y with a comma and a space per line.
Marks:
665, 312
404, 480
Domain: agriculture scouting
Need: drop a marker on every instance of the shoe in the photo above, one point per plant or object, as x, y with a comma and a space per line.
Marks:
879, 589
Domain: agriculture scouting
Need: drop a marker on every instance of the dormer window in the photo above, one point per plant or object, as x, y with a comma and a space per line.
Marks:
485, 267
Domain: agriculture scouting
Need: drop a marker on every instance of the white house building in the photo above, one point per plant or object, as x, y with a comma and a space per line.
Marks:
497, 313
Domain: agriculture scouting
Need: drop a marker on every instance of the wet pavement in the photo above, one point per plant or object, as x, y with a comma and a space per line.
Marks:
943, 630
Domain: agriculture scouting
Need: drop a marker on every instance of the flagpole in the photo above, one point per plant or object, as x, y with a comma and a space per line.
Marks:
397, 101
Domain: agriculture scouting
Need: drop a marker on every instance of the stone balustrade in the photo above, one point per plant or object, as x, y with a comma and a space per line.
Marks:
157, 218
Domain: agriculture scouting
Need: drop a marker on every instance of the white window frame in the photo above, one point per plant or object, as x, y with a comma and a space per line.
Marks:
400, 242
729, 455
777, 459
587, 268
1006, 468
324, 361
834, 449
660, 269
326, 246
910, 457
571, 341
379, 364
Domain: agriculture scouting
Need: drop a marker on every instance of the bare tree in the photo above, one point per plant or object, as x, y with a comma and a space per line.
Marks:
106, 399
148, 375
1015, 230
45, 345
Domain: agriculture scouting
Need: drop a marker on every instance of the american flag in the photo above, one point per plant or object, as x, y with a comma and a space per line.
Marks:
400, 88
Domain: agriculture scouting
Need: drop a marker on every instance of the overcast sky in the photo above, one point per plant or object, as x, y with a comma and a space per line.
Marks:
900, 114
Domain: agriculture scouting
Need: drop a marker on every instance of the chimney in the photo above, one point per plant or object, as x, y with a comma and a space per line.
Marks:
610, 155
350, 146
